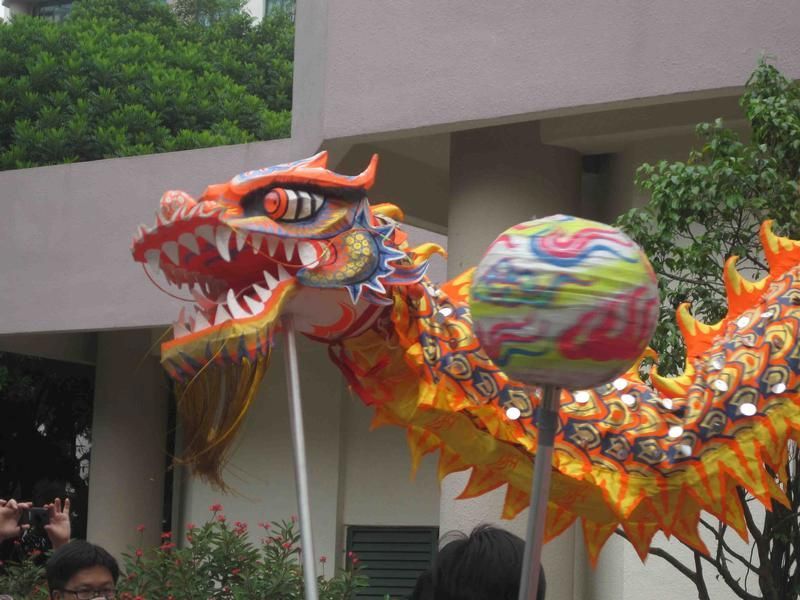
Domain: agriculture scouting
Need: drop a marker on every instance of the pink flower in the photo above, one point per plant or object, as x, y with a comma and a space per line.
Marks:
294, 518
215, 508
323, 559
287, 545
140, 528
166, 547
166, 535
139, 552
221, 518
235, 571
191, 526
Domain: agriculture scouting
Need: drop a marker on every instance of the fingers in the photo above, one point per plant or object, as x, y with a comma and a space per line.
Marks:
67, 504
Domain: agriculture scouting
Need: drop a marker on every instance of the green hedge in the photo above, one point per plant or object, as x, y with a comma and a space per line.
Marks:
121, 78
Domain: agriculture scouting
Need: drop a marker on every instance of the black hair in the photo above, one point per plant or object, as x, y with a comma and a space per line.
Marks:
77, 556
486, 565
423, 590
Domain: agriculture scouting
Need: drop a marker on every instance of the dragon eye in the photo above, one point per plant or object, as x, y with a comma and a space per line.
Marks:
282, 204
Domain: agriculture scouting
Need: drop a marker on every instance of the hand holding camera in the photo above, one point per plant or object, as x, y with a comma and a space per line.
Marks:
16, 518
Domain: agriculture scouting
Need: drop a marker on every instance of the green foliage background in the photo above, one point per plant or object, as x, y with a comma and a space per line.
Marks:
121, 78
710, 207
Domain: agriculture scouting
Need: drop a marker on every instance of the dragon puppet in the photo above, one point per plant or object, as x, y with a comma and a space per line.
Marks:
300, 239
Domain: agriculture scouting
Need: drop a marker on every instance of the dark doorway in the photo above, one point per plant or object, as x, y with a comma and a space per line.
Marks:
45, 436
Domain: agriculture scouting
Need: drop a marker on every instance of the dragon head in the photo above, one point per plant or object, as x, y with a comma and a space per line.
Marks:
267, 242
294, 239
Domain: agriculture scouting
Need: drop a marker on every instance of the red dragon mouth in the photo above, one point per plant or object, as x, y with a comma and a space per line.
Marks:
211, 263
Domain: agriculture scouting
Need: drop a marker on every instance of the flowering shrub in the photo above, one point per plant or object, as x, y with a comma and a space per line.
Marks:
216, 561
23, 580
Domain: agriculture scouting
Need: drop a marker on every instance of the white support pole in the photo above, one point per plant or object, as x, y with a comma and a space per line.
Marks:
300, 462
540, 492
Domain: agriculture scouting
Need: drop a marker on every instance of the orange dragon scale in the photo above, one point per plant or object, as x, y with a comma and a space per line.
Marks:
300, 239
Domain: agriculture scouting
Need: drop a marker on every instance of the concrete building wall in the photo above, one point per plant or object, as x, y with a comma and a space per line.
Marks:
402, 65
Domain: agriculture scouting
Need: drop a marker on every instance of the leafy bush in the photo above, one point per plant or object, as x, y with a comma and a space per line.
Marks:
217, 561
710, 207
121, 78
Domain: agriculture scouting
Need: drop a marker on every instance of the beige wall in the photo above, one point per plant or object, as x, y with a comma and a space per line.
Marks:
128, 461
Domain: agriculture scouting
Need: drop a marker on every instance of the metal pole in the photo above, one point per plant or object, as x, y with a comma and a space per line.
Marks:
300, 463
540, 492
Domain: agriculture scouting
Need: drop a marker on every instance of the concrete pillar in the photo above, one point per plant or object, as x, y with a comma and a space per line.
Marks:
500, 176
126, 478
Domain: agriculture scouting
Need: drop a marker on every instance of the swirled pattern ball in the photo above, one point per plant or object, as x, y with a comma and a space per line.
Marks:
564, 301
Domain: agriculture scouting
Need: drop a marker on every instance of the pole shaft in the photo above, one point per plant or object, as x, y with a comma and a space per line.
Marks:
540, 492
300, 462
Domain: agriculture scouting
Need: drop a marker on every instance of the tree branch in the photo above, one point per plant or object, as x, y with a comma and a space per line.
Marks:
686, 571
688, 280
700, 581
720, 537
765, 579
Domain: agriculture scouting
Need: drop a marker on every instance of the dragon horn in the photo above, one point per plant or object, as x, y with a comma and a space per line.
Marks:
366, 178
320, 159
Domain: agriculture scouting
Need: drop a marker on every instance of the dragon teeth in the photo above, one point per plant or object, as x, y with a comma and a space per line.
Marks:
153, 258
222, 239
272, 245
188, 240
282, 274
255, 242
201, 297
172, 251
264, 294
222, 315
241, 239
254, 305
288, 247
271, 281
233, 305
201, 322
207, 233
307, 253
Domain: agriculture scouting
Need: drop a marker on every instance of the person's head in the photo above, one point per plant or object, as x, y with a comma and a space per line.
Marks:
80, 571
486, 565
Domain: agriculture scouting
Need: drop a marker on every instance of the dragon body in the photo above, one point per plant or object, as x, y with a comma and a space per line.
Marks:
300, 240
